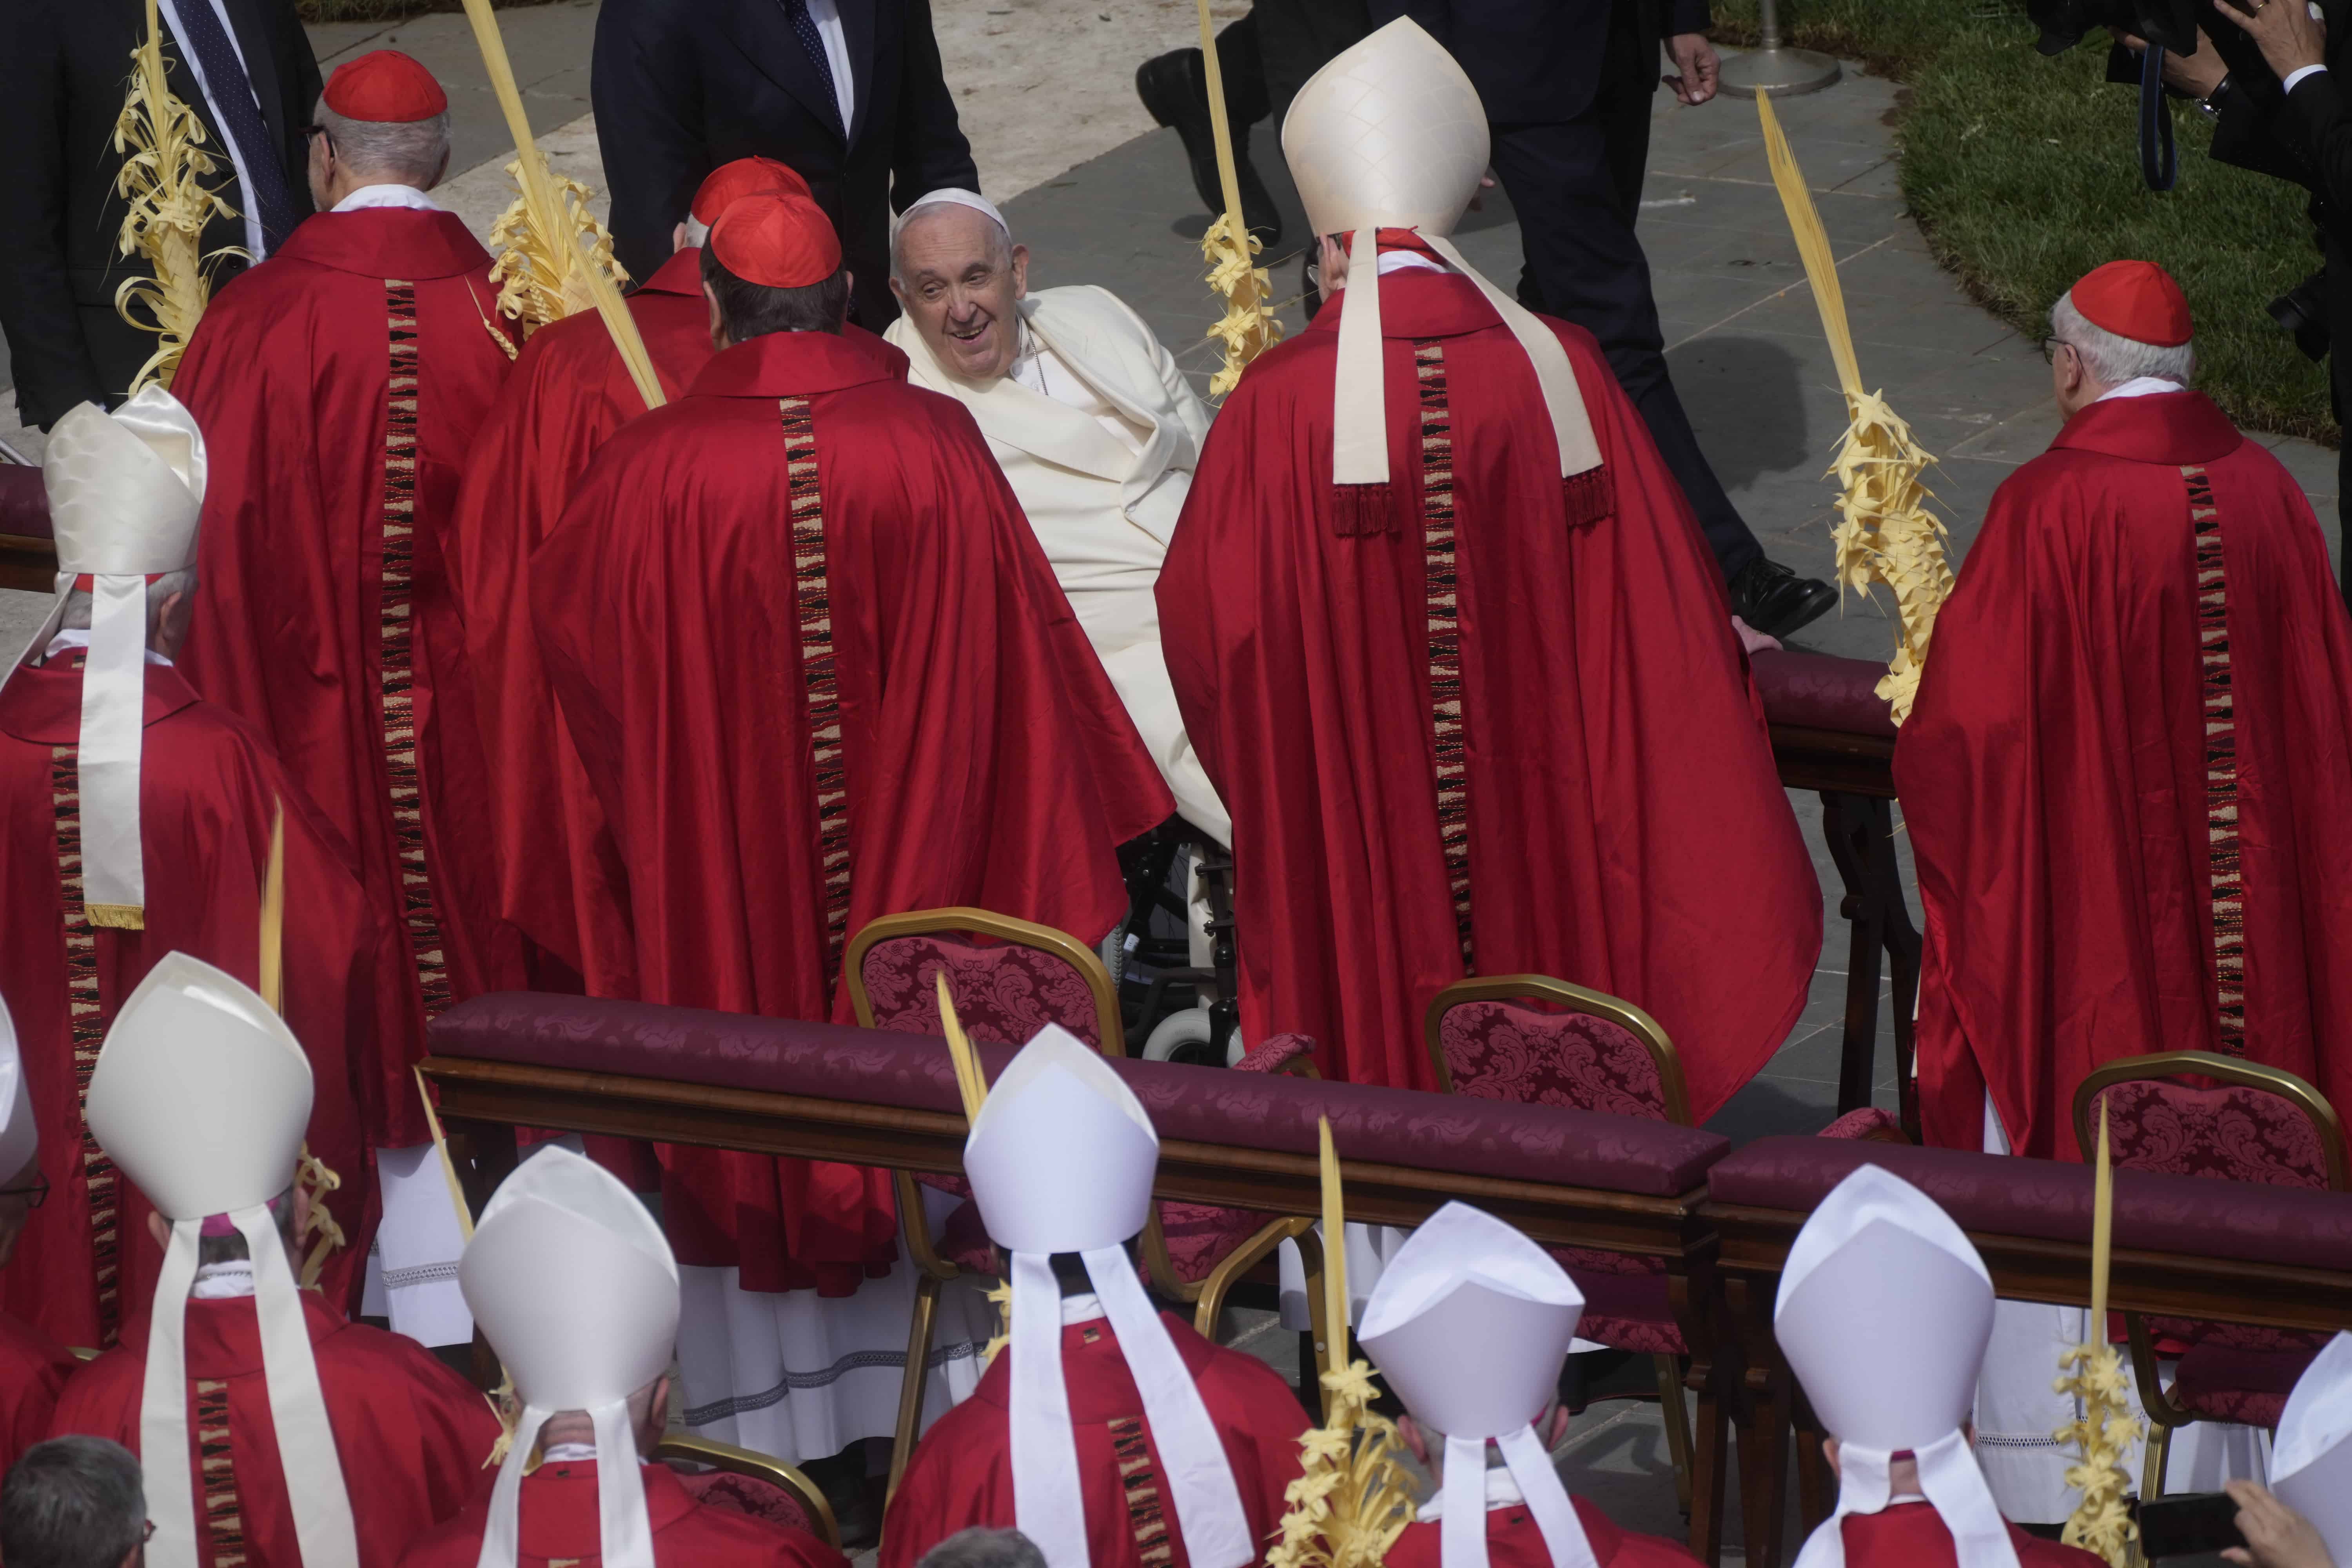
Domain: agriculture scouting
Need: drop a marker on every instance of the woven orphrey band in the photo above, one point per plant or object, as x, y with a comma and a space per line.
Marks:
1444, 630
1138, 1482
813, 596
2229, 888
398, 651
224, 1523
87, 1011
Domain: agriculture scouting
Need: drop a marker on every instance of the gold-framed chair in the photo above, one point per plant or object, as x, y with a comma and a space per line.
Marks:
1025, 976
2256, 1125
764, 1470
1592, 1051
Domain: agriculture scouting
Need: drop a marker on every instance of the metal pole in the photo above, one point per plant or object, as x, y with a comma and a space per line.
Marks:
1773, 68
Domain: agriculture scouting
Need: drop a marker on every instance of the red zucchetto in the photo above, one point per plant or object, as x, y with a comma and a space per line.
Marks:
777, 239
387, 87
731, 181
2135, 300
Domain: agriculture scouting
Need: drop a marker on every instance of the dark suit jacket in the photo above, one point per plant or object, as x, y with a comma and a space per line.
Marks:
683, 86
2302, 137
65, 66
1538, 62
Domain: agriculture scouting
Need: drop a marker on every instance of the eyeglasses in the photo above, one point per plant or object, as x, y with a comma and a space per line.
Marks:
147, 1534
310, 130
2052, 344
35, 1196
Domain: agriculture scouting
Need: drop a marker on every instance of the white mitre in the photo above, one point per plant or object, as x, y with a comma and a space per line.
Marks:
200, 1096
20, 1132
1061, 1158
1470, 1325
569, 1279
2311, 1464
1391, 134
125, 490
1884, 1313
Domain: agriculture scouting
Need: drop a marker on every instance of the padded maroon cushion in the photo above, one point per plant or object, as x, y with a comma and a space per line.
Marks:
2224, 1383
2008, 1194
2234, 1131
1823, 692
1274, 1111
1628, 1312
756, 1497
23, 502
964, 1241
1004, 992
1509, 1050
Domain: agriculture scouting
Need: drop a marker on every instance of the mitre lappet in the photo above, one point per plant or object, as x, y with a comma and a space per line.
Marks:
1061, 1159
125, 490
20, 1133
2311, 1463
574, 1286
1390, 135
200, 1096
1883, 1314
1470, 1325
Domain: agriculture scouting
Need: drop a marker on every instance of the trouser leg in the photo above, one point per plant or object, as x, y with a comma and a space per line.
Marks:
1298, 38
1589, 269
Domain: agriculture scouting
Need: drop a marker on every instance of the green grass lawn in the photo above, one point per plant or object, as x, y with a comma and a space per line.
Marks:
2024, 174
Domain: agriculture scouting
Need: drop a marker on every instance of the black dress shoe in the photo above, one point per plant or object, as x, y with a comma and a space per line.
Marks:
1775, 601
1175, 94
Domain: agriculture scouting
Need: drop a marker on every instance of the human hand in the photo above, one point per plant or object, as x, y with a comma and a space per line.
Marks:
2197, 75
2276, 1536
2289, 36
1753, 641
1478, 197
1696, 68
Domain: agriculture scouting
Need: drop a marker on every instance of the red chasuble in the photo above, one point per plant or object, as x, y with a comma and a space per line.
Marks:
1482, 741
411, 1434
819, 671
559, 882
2126, 778
1513, 1540
339, 384
33, 1369
960, 1475
209, 790
560, 1525
1914, 1535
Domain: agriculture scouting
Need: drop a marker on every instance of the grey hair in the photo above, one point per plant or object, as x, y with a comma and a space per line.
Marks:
2112, 360
1000, 246
73, 1502
973, 1547
413, 153
78, 602
231, 1248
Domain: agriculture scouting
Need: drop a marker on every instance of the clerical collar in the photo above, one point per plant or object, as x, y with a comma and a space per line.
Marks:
1404, 260
387, 196
1502, 1491
2140, 386
1082, 1309
222, 1281
71, 637
567, 1453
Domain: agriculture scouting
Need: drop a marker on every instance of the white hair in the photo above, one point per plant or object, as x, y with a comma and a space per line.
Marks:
698, 232
999, 241
2112, 360
77, 612
409, 153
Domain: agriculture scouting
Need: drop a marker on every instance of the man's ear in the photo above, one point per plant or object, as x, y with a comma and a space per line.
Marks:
1830, 1452
1557, 1427
160, 1228
718, 327
1020, 272
1410, 1430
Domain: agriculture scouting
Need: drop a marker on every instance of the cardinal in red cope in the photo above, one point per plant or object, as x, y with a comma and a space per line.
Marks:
136, 820
2127, 779
342, 1443
333, 629
33, 1366
569, 1279
559, 882
1107, 1432
818, 672
1454, 651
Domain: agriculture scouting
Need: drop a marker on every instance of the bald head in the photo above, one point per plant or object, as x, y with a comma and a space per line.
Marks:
957, 275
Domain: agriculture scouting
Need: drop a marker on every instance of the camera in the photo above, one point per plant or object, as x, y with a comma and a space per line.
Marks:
2301, 311
2167, 24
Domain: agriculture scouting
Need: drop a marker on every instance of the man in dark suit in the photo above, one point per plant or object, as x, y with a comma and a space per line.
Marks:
1567, 85
848, 92
244, 67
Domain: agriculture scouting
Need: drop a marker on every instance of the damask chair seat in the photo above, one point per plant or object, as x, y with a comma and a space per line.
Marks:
2234, 1121
743, 1480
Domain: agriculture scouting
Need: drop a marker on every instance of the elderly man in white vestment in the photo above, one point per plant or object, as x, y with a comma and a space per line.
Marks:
1096, 428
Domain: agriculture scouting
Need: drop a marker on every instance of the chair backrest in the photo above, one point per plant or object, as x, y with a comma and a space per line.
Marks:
741, 1481
1573, 1047
1020, 978
2256, 1125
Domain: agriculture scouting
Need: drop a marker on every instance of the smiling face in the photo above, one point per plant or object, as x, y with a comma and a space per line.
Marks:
959, 275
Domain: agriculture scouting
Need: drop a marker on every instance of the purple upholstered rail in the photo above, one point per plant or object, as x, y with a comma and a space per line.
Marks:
24, 504
1252, 1110
1999, 1195
1823, 692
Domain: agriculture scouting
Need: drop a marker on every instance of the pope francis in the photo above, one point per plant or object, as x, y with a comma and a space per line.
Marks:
1094, 426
